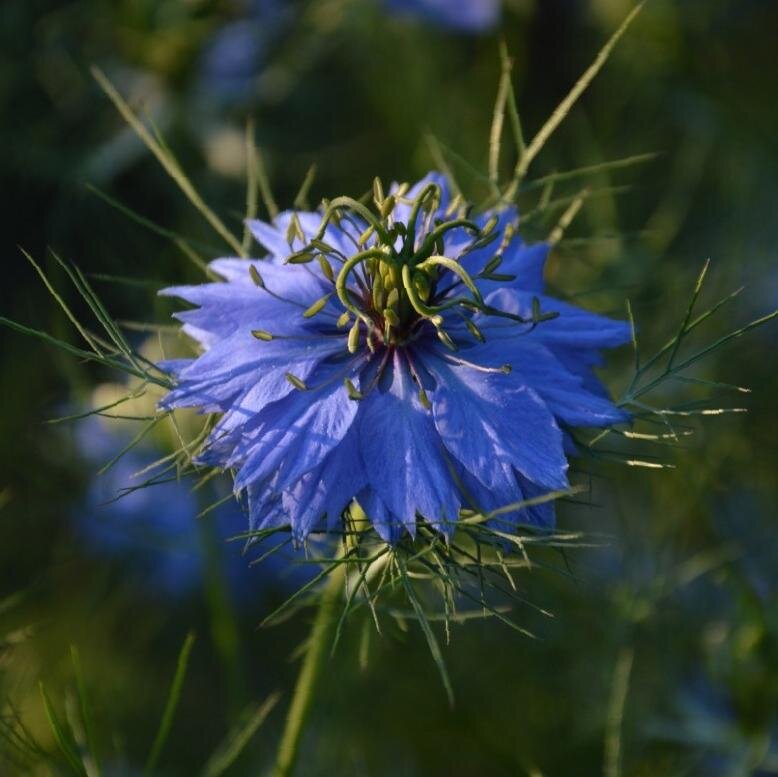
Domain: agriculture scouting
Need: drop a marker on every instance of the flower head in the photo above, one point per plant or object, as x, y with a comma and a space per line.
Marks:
406, 357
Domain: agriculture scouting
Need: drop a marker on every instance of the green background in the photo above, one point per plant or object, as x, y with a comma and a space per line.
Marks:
684, 585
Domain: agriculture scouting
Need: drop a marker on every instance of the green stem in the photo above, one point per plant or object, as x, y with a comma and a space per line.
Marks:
314, 662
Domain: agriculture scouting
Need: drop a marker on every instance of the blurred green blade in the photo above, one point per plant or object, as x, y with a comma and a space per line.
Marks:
86, 711
229, 750
429, 634
61, 735
172, 703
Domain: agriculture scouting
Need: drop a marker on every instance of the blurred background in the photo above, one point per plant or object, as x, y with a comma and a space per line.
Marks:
663, 652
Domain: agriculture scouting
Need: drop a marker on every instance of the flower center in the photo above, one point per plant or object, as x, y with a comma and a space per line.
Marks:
399, 282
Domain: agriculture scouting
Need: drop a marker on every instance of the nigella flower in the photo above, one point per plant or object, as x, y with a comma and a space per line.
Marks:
154, 530
463, 15
408, 359
233, 57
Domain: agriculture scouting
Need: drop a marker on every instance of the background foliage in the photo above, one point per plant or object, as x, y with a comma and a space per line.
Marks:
675, 612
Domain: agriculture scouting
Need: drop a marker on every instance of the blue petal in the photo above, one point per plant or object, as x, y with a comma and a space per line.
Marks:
270, 238
527, 263
543, 514
563, 391
514, 490
293, 435
292, 282
389, 527
227, 307
574, 327
325, 490
241, 363
402, 453
490, 421
273, 236
265, 509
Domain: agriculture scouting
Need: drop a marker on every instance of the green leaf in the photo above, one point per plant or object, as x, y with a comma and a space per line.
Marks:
561, 111
86, 711
229, 750
432, 641
172, 703
62, 736
166, 159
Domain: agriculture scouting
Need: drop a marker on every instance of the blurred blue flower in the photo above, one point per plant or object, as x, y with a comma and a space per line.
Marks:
154, 528
707, 722
411, 361
234, 56
463, 15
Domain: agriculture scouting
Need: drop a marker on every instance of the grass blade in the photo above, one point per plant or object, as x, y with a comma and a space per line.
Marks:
581, 172
567, 217
172, 703
440, 162
226, 754
580, 87
80, 352
86, 712
498, 119
513, 111
130, 445
432, 641
301, 200
151, 226
166, 159
62, 304
619, 690
259, 170
62, 737
251, 185
689, 310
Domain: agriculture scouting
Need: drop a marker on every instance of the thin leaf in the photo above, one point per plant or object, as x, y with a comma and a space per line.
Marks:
633, 336
251, 186
441, 163
100, 313
130, 445
432, 641
559, 114
567, 218
513, 111
689, 310
86, 712
62, 304
172, 703
580, 172
620, 687
166, 159
175, 237
61, 735
498, 118
301, 199
535, 500
80, 353
227, 753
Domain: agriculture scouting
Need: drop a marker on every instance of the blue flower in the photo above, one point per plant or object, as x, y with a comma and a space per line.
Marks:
154, 530
235, 55
463, 15
410, 360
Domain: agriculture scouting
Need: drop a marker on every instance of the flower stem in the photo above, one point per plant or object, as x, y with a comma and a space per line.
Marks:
313, 664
